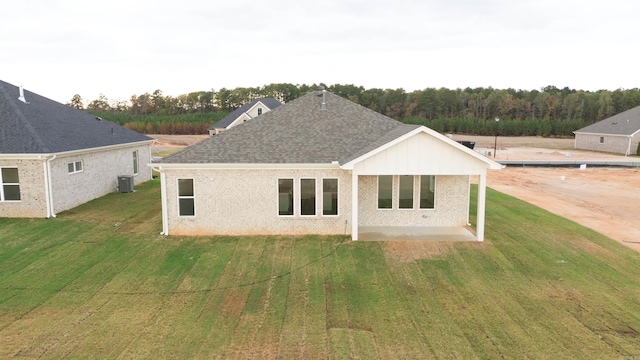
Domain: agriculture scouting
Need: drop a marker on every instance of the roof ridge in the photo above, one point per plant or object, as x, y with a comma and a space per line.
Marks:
23, 120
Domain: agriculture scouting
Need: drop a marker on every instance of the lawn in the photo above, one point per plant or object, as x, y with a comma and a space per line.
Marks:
99, 281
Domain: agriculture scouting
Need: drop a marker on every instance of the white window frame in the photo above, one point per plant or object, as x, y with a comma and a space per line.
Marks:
337, 197
136, 163
413, 193
315, 196
2, 184
179, 197
434, 183
393, 180
293, 195
75, 167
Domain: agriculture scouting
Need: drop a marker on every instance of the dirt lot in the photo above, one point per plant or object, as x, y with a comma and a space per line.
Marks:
603, 199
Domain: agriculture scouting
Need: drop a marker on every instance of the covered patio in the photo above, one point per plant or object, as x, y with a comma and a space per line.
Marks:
416, 233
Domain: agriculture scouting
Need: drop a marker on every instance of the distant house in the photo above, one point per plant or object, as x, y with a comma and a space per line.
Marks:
320, 164
243, 114
617, 134
53, 157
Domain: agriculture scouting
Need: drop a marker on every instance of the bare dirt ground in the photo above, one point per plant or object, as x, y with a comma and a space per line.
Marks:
603, 199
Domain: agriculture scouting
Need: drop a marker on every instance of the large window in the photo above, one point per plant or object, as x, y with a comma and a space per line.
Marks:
74, 167
329, 197
10, 189
405, 192
285, 197
427, 191
186, 198
385, 191
135, 162
308, 197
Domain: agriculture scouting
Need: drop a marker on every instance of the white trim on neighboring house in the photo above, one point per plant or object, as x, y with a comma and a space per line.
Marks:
73, 152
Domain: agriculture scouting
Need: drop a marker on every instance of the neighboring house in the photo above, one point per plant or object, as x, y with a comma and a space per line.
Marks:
243, 114
315, 166
617, 134
53, 157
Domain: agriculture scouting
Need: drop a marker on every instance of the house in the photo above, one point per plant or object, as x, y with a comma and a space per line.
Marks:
617, 134
320, 164
53, 157
243, 114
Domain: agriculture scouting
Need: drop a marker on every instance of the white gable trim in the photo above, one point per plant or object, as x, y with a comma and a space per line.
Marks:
239, 166
423, 129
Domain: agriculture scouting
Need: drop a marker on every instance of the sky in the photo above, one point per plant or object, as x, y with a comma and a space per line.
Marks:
120, 48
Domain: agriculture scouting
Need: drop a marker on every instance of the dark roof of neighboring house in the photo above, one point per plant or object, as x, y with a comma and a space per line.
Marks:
625, 123
227, 120
43, 126
299, 132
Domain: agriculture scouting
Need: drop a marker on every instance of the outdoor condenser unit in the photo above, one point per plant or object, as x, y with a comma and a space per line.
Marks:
125, 183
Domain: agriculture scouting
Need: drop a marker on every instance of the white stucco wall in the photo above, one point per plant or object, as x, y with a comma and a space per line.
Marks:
451, 204
245, 202
32, 191
99, 175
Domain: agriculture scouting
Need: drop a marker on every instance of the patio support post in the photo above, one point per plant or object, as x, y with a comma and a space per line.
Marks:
482, 195
354, 206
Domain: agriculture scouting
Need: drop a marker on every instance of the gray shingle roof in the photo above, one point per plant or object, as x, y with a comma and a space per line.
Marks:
625, 123
227, 120
43, 126
299, 133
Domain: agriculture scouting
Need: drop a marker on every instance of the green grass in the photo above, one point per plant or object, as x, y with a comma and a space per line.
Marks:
99, 281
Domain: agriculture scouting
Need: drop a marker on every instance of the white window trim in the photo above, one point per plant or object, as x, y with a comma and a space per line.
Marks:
413, 191
178, 197
293, 183
136, 162
337, 197
315, 212
2, 184
393, 181
435, 198
75, 167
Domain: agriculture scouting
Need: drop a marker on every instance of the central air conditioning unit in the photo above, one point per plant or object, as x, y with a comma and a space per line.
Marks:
125, 183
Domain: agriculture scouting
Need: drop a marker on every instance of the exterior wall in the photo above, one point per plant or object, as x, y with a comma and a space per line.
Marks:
451, 204
612, 144
33, 201
245, 202
99, 175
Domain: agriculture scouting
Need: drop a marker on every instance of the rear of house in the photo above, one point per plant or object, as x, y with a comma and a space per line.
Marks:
617, 134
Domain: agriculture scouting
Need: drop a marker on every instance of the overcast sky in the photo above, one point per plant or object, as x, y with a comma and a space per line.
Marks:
58, 48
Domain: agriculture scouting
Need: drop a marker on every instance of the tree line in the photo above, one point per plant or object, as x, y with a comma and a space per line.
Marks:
550, 111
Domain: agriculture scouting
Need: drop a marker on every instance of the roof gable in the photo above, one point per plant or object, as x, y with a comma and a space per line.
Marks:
269, 103
624, 123
43, 126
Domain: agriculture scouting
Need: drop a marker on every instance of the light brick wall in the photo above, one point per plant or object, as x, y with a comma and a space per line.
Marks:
98, 177
32, 192
612, 144
245, 202
451, 204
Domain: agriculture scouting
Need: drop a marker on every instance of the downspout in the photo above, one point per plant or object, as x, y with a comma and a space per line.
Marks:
629, 146
163, 197
49, 188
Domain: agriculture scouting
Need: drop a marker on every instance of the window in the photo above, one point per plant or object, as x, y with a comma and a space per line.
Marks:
74, 167
405, 192
135, 162
427, 191
329, 197
10, 190
308, 197
186, 198
385, 191
285, 197
601, 139
259, 111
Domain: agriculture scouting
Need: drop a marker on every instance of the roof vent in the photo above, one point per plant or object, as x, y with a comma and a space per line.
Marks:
324, 100
21, 97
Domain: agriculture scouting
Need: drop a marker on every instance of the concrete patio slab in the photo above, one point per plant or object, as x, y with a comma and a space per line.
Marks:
417, 233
